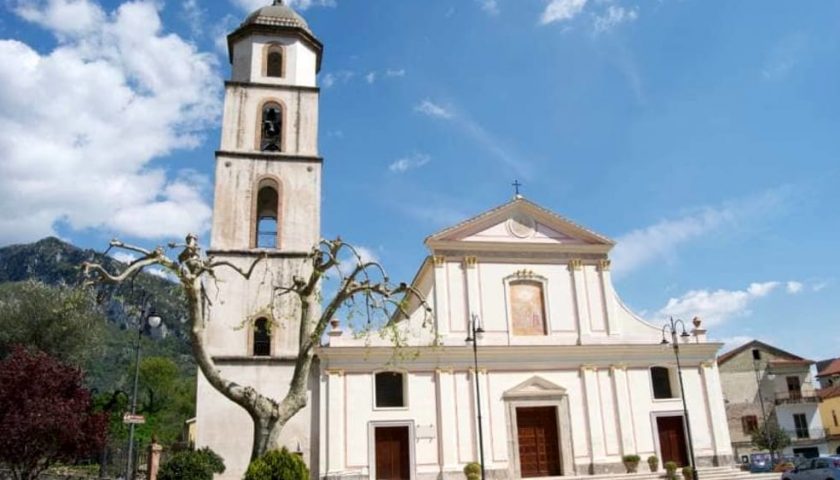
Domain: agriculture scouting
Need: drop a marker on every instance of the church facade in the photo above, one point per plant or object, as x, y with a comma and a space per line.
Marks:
568, 379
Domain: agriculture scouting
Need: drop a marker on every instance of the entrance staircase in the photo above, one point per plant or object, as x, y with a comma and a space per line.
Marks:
712, 473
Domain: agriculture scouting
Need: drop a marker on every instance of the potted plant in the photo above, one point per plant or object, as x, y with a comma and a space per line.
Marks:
631, 463
671, 470
472, 471
653, 463
688, 473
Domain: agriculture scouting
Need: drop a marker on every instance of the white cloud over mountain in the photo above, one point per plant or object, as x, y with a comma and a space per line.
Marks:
81, 124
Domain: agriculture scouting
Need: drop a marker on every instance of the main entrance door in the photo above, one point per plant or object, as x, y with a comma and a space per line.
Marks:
539, 451
392, 455
672, 440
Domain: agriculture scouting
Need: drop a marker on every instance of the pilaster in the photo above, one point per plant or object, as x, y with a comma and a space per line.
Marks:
447, 420
613, 326
441, 299
473, 295
625, 409
335, 421
592, 406
581, 305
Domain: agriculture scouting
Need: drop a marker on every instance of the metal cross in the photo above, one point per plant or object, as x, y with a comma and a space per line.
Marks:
516, 186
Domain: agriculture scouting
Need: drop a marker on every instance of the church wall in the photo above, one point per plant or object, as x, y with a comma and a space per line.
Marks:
242, 116
299, 61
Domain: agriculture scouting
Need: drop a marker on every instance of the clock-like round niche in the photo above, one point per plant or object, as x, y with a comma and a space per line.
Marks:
521, 226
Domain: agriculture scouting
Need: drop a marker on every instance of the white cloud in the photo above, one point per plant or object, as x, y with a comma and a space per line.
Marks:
123, 257
123, 93
251, 5
489, 6
718, 306
794, 287
415, 160
350, 261
561, 10
370, 77
394, 72
819, 286
661, 240
193, 14
332, 78
614, 16
427, 107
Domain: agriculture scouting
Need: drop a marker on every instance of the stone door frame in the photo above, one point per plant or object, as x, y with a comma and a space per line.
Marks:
538, 392
372, 426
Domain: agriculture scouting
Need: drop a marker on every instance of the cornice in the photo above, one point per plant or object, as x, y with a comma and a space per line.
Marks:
273, 86
519, 247
278, 157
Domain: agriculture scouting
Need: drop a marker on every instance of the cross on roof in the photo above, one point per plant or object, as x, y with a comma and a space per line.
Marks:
516, 186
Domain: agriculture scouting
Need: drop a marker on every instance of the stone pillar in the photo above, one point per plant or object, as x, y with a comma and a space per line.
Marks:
592, 406
473, 300
442, 318
335, 421
611, 320
581, 305
153, 463
447, 420
716, 410
625, 409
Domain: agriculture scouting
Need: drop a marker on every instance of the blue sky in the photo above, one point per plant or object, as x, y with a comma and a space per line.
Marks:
702, 136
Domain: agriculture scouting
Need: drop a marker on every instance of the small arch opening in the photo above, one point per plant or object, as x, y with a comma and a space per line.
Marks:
262, 338
267, 206
271, 131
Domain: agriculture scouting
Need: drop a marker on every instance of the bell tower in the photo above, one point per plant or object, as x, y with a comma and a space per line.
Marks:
266, 205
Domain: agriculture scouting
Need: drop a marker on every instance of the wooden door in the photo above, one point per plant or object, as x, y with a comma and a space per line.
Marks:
539, 450
672, 440
392, 455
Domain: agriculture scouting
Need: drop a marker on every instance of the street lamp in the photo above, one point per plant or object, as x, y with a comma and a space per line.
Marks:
473, 335
756, 354
153, 320
671, 328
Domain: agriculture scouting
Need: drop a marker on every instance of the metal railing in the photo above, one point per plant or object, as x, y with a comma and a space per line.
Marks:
801, 434
797, 396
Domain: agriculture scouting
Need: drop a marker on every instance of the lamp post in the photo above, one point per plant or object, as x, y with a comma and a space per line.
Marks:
671, 328
474, 333
147, 317
756, 354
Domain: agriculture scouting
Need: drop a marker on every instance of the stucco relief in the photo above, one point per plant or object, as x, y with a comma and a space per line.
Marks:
527, 308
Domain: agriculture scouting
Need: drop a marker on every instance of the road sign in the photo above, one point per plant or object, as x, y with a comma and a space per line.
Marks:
129, 418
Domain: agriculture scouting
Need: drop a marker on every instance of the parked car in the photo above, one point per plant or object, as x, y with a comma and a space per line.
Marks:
820, 468
760, 462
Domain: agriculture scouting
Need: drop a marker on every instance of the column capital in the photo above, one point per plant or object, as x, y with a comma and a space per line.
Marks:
439, 260
470, 261
604, 265
618, 368
588, 368
575, 264
334, 371
441, 370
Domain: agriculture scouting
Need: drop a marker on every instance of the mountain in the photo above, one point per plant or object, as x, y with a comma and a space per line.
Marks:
55, 262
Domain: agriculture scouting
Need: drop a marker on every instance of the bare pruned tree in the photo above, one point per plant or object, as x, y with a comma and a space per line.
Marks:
362, 286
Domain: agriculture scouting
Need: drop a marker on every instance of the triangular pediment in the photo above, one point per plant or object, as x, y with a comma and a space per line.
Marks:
535, 387
520, 223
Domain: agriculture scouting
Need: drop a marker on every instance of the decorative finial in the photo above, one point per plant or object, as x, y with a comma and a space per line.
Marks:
696, 321
516, 186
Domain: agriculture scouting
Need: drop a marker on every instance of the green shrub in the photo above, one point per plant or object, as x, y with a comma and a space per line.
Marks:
671, 470
278, 465
472, 471
688, 473
192, 465
653, 463
631, 462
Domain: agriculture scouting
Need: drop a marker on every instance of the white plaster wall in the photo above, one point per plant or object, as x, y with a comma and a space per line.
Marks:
300, 62
236, 188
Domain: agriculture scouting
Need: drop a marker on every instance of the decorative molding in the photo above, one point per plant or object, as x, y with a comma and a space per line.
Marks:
707, 364
470, 261
448, 370
334, 371
439, 260
575, 264
588, 368
604, 265
619, 367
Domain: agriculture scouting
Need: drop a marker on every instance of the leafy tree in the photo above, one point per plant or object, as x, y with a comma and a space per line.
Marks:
62, 321
158, 378
278, 465
192, 465
770, 437
362, 284
46, 414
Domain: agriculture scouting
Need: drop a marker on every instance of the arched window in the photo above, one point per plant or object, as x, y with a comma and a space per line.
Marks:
527, 308
262, 338
271, 129
661, 379
274, 61
268, 202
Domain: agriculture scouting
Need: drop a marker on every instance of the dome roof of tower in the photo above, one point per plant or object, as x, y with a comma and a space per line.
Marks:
278, 15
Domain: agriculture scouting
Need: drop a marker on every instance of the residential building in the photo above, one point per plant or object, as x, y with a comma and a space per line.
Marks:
761, 381
828, 373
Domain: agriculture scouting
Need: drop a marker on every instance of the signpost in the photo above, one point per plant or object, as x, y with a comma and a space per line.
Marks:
133, 419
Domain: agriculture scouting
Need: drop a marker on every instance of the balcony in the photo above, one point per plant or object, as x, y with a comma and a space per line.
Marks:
804, 435
796, 397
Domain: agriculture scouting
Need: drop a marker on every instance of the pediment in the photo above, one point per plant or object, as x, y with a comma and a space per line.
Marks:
520, 222
535, 387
